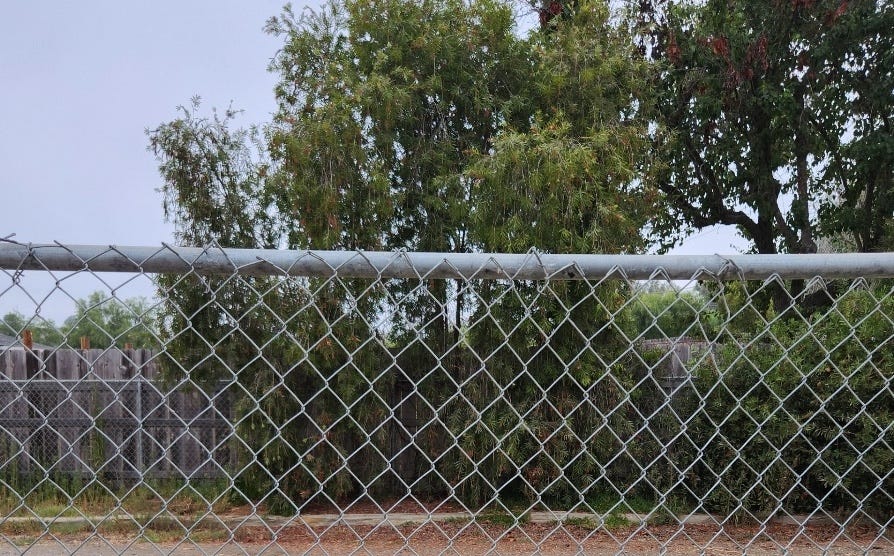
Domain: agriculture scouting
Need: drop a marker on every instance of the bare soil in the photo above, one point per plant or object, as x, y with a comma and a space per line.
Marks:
467, 538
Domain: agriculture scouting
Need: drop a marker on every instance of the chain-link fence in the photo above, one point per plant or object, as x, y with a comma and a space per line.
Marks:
351, 402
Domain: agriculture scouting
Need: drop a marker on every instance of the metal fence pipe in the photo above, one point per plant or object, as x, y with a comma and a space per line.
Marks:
386, 265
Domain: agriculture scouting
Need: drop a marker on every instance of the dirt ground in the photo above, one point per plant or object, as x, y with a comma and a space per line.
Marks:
467, 538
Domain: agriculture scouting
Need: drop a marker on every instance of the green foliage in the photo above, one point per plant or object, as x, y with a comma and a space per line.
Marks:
765, 111
105, 321
379, 107
212, 177
213, 189
799, 416
561, 182
44, 331
565, 181
667, 313
110, 321
861, 94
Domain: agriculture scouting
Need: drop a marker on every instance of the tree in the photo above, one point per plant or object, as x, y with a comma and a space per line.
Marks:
44, 331
773, 117
381, 108
563, 182
112, 322
213, 193
666, 312
399, 124
105, 321
227, 330
212, 178
862, 93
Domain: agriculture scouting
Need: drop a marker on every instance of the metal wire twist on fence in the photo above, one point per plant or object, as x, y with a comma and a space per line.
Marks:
418, 403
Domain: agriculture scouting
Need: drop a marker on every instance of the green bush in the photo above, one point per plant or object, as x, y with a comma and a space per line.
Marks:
799, 417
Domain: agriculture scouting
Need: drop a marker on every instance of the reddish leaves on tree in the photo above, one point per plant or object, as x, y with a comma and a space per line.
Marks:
720, 46
756, 56
549, 11
833, 17
754, 64
673, 49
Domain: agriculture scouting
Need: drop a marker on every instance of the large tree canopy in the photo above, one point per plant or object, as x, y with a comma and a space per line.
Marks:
565, 181
381, 107
431, 125
774, 117
395, 117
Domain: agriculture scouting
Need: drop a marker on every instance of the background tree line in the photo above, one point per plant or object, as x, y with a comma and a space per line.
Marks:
103, 320
440, 126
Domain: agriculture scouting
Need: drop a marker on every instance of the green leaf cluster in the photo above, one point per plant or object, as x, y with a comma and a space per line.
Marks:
106, 321
774, 117
796, 417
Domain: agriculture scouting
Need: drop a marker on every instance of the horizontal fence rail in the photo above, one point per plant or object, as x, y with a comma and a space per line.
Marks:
377, 264
430, 403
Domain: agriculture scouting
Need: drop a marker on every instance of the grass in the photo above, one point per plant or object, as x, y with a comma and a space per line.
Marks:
162, 511
159, 511
615, 521
51, 499
609, 521
607, 502
504, 519
667, 514
154, 530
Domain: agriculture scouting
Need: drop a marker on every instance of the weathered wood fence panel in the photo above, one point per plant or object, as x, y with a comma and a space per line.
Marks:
107, 413
677, 353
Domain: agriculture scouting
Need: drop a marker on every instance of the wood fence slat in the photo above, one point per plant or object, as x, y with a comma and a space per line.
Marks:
103, 413
11, 439
20, 407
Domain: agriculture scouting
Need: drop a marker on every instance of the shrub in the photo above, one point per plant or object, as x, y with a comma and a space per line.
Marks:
799, 417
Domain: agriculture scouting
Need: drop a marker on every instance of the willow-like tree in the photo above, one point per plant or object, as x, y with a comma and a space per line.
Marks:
212, 181
230, 332
428, 126
381, 107
565, 183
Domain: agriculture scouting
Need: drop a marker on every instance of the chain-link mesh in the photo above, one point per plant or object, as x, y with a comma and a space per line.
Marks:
285, 402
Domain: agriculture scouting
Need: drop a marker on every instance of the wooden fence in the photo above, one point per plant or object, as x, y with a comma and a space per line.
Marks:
673, 370
106, 413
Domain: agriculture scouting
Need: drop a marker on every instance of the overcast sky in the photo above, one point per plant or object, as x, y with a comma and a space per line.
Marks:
82, 81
